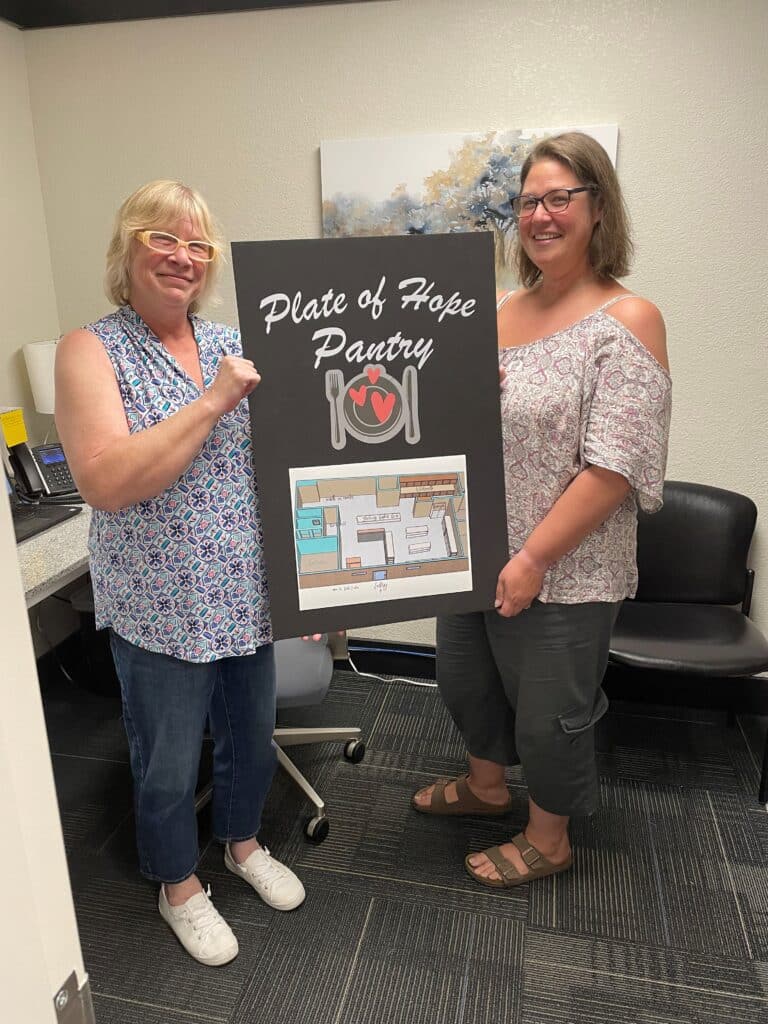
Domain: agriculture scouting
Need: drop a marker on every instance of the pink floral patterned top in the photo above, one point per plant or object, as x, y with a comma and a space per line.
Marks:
591, 394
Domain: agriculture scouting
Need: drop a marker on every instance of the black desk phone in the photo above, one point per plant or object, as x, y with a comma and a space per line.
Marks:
42, 472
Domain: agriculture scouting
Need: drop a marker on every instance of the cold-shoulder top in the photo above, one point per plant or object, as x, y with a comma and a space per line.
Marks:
590, 394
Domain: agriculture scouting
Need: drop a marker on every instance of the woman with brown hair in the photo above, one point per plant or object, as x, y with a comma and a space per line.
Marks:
585, 418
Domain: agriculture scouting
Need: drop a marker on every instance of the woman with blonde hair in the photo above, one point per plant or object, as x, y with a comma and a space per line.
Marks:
151, 408
585, 418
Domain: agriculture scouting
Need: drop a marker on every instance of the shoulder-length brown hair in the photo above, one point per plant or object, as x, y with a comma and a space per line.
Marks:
611, 249
156, 205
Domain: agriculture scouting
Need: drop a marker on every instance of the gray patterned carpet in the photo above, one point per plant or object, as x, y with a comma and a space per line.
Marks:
664, 919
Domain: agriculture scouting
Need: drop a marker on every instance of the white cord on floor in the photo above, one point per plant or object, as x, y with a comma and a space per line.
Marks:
388, 679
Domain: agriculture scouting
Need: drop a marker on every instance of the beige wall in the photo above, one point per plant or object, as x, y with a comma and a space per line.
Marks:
686, 81
27, 301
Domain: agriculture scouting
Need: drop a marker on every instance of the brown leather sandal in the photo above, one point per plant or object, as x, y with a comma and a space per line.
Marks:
467, 802
537, 863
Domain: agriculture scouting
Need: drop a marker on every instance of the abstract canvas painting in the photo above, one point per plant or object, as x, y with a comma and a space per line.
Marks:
433, 184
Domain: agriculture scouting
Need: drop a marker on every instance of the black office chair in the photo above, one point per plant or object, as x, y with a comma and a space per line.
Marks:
692, 566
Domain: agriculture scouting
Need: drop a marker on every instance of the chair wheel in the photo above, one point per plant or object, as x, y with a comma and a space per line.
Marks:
354, 751
316, 829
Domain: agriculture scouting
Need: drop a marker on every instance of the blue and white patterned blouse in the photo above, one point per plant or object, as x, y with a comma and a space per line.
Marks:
183, 573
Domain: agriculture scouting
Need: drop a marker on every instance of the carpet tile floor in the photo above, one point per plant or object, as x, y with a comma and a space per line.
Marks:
663, 920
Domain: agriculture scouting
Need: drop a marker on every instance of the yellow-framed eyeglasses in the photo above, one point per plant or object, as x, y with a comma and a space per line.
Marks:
162, 241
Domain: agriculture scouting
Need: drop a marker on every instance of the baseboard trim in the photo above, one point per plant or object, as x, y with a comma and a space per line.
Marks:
392, 659
746, 696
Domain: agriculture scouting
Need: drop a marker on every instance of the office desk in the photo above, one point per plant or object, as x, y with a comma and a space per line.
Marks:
54, 558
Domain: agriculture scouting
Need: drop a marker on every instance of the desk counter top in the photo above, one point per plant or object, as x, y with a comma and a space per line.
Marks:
54, 558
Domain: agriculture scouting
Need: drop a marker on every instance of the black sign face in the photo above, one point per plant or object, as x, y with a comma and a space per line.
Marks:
376, 426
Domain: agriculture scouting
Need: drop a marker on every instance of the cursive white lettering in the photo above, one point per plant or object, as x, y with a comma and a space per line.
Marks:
334, 340
374, 302
279, 305
421, 295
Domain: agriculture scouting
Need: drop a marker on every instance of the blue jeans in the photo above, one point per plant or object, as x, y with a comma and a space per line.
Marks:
166, 703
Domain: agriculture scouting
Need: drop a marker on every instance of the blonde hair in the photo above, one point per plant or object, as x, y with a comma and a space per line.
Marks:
610, 249
156, 205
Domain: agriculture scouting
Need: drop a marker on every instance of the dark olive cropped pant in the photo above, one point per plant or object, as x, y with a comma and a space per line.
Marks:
527, 690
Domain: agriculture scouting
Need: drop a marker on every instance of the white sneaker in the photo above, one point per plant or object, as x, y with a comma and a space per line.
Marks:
200, 928
274, 882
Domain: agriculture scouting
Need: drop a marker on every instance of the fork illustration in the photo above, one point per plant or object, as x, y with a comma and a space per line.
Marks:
334, 384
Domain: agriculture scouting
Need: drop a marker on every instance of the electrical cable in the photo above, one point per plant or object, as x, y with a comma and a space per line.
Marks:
23, 499
389, 679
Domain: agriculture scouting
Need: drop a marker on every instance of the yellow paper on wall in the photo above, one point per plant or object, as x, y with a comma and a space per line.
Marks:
14, 429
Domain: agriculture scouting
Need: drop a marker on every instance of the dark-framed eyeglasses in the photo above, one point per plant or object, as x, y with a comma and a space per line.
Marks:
557, 200
162, 241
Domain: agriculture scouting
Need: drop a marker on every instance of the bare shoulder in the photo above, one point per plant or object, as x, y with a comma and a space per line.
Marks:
80, 354
509, 300
80, 342
89, 407
645, 321
506, 295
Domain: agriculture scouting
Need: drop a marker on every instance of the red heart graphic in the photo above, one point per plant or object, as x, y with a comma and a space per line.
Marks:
382, 406
358, 397
373, 374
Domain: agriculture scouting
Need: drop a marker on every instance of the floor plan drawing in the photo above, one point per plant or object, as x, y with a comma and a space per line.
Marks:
381, 530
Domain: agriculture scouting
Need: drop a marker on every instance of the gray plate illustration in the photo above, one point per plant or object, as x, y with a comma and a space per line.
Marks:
373, 410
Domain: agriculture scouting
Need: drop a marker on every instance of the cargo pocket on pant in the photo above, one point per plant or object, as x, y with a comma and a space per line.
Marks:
579, 721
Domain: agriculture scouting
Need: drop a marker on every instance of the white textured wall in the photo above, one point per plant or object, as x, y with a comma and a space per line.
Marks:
27, 301
686, 81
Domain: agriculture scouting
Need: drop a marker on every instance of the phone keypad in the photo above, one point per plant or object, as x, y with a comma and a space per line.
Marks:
59, 478
54, 469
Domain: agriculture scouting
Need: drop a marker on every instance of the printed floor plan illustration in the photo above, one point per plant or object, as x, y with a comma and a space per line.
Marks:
384, 530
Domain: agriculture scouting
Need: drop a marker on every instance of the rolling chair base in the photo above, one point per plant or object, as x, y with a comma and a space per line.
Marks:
316, 827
